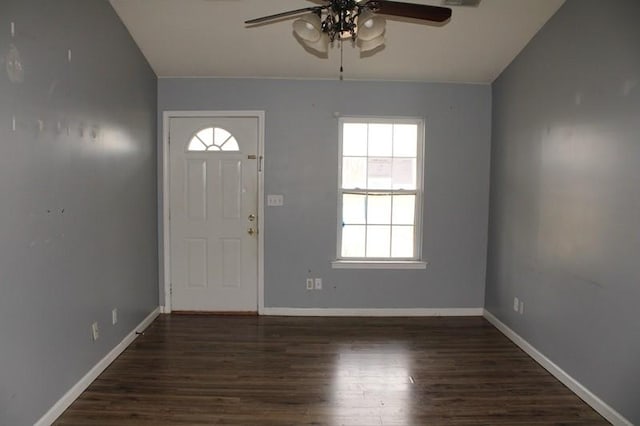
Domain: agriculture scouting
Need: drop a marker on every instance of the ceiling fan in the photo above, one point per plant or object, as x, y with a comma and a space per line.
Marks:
359, 20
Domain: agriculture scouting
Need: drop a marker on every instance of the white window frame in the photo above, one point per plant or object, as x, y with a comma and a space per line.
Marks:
415, 262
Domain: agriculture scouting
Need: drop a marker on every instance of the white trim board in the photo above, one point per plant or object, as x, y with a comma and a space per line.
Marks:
77, 389
347, 264
164, 253
575, 386
373, 312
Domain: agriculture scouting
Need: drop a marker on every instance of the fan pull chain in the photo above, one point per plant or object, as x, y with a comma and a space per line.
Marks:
341, 59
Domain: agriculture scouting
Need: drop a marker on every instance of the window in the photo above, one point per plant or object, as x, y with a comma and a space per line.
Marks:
380, 190
213, 139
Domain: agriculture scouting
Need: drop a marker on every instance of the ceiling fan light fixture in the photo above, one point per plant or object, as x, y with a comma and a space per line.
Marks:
308, 28
358, 20
370, 26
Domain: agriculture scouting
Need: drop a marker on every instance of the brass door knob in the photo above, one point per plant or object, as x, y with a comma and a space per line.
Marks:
252, 231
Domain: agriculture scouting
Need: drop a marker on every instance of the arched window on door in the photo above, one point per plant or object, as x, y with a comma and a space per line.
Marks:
213, 139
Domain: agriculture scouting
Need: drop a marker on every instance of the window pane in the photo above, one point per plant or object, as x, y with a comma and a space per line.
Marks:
354, 209
353, 240
231, 145
378, 241
402, 244
196, 145
380, 173
404, 209
380, 140
206, 136
354, 172
405, 140
221, 136
379, 209
354, 139
404, 173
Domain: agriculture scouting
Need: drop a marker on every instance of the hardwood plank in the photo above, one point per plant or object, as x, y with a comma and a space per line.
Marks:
196, 369
218, 313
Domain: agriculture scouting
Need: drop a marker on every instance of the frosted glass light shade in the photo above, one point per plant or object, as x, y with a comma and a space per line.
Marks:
308, 27
370, 26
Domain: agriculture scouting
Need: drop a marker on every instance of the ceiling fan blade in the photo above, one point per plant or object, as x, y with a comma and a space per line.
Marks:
410, 10
284, 14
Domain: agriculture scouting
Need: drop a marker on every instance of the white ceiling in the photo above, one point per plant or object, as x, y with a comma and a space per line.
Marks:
207, 38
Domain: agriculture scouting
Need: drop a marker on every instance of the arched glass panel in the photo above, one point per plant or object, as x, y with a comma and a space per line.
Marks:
213, 139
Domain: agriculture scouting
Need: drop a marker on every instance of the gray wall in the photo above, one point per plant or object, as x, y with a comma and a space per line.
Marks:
301, 162
565, 197
77, 212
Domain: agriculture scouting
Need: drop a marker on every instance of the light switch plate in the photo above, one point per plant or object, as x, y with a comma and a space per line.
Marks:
275, 200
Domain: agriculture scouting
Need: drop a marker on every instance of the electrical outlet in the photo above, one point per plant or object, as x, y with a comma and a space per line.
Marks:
275, 200
114, 316
521, 307
309, 283
318, 283
94, 331
516, 304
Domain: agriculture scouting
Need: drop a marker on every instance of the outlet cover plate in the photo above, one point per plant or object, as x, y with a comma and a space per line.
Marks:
275, 200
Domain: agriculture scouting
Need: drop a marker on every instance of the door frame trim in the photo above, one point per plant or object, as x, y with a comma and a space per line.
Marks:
164, 246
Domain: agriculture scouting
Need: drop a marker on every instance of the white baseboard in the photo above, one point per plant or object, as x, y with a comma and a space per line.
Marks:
585, 394
77, 389
163, 310
374, 312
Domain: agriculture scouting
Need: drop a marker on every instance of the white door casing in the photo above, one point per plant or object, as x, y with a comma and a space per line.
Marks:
214, 203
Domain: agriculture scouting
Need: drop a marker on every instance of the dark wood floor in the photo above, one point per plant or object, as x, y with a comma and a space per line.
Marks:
335, 371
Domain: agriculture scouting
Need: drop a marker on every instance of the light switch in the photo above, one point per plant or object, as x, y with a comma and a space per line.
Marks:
275, 200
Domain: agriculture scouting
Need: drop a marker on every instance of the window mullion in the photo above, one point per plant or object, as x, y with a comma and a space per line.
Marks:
366, 210
391, 195
391, 229
382, 191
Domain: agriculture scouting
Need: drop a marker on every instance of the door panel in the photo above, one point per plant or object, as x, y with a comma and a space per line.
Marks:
214, 199
196, 192
231, 189
197, 271
231, 262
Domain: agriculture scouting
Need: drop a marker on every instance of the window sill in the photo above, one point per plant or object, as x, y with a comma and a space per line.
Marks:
379, 264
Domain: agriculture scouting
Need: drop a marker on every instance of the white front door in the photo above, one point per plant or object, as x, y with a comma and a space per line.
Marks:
213, 213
